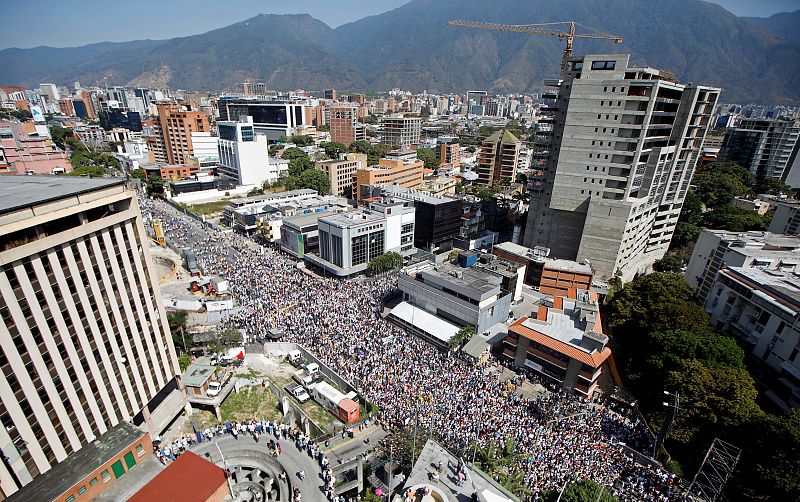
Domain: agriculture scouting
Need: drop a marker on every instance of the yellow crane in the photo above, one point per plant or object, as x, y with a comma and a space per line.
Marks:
567, 32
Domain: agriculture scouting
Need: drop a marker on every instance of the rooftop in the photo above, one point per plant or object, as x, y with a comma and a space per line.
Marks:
303, 220
416, 195
353, 218
63, 476
197, 374
504, 135
755, 241
17, 192
776, 286
435, 327
470, 278
272, 196
540, 255
190, 477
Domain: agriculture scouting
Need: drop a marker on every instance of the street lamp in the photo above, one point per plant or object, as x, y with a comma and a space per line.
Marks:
674, 408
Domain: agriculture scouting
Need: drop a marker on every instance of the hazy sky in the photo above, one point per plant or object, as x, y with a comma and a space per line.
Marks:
61, 23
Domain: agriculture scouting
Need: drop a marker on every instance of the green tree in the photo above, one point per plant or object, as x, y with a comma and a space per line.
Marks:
360, 146
734, 219
155, 186
770, 461
59, 135
315, 180
377, 152
692, 209
184, 361
303, 140
368, 119
139, 174
462, 336
298, 160
717, 398
669, 263
429, 157
719, 182
177, 326
773, 186
333, 149
323, 128
586, 490
685, 234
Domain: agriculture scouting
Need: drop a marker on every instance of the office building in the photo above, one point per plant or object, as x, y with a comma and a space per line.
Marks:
329, 94
114, 118
399, 168
563, 342
438, 218
549, 276
342, 173
400, 131
205, 149
243, 155
476, 97
348, 241
767, 147
717, 249
344, 125
624, 146
498, 156
761, 308
271, 117
177, 122
786, 219
460, 296
300, 234
449, 151
85, 342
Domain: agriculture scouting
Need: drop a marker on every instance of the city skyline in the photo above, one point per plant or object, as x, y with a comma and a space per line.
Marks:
196, 18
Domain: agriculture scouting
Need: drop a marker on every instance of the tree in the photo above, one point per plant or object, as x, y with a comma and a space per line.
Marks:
177, 326
462, 336
586, 490
360, 146
323, 128
684, 234
139, 174
315, 180
368, 119
522, 179
734, 219
333, 149
155, 186
385, 262
298, 160
669, 263
428, 157
377, 152
773, 186
719, 182
692, 209
184, 361
59, 135
303, 140
717, 397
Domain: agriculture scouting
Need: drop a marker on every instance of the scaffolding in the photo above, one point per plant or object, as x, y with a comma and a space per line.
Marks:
718, 465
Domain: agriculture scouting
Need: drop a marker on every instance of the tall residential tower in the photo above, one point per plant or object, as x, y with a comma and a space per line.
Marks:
624, 146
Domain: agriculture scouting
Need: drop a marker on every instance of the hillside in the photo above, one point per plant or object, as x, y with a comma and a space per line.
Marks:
784, 24
413, 47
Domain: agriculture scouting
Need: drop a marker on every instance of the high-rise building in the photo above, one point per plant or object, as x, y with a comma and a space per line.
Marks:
271, 117
84, 342
329, 94
767, 147
344, 125
120, 117
243, 155
449, 151
498, 156
342, 172
178, 121
399, 168
624, 146
400, 131
786, 219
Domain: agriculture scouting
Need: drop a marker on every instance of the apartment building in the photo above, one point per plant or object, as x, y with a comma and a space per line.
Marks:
344, 125
718, 249
244, 155
563, 342
449, 151
84, 342
400, 131
399, 168
550, 276
498, 157
786, 219
623, 149
762, 309
177, 122
342, 173
767, 147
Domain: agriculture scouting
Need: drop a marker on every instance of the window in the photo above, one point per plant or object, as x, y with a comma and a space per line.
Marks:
139, 450
93, 482
71, 498
603, 65
82, 490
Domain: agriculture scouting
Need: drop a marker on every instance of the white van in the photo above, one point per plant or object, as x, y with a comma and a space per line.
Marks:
312, 369
214, 387
295, 358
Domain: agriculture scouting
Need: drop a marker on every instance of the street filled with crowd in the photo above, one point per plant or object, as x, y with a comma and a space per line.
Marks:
556, 437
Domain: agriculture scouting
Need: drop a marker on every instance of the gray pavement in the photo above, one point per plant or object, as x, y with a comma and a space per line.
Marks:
349, 448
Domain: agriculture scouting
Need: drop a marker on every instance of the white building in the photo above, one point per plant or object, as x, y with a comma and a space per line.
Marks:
623, 150
204, 148
786, 219
717, 249
762, 309
348, 241
84, 338
244, 155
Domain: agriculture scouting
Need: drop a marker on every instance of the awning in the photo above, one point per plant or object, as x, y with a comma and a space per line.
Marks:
423, 320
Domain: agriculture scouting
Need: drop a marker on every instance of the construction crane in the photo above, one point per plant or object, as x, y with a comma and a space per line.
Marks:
544, 29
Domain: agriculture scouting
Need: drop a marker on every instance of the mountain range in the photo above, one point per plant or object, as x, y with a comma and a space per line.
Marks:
412, 47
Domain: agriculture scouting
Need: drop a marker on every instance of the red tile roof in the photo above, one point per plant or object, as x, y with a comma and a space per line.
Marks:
190, 478
593, 359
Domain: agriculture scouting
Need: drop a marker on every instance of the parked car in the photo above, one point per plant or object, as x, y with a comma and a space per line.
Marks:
298, 392
214, 388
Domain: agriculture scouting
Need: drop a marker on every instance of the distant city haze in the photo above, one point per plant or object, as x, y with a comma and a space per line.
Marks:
69, 24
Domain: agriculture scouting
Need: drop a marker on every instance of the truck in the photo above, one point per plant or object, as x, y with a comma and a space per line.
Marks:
298, 392
232, 356
312, 369
344, 408
214, 388
295, 358
305, 379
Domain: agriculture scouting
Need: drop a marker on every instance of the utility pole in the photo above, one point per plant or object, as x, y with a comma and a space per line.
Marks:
227, 473
674, 407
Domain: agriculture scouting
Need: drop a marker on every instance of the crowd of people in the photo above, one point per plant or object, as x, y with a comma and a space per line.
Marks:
557, 436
